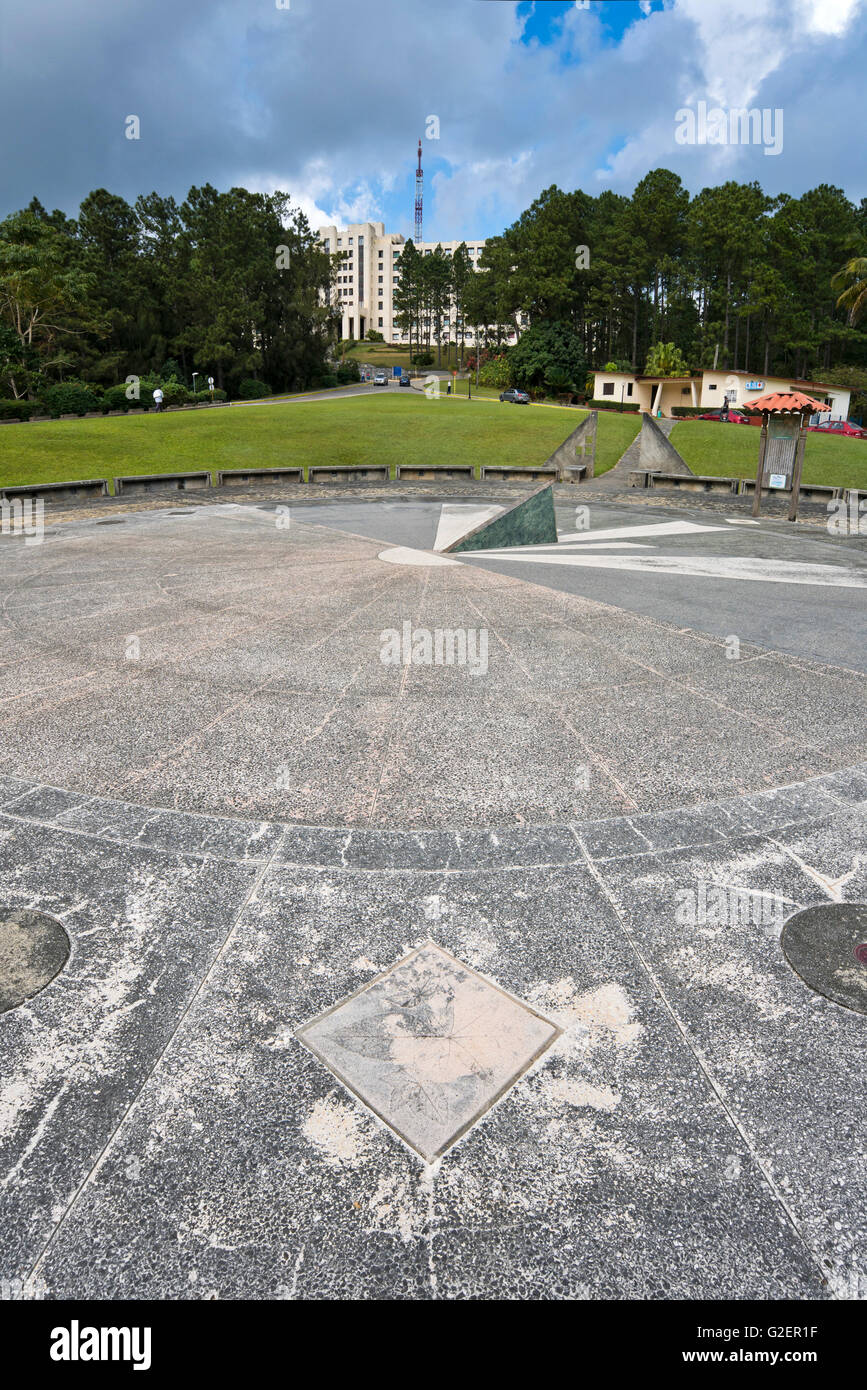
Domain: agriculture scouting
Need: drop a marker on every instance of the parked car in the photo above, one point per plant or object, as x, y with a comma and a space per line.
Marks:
515, 396
404, 381
380, 379
735, 417
847, 427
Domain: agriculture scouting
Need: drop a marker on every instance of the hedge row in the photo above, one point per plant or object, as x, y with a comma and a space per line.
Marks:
80, 400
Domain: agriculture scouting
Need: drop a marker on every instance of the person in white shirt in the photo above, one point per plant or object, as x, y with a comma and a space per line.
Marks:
158, 398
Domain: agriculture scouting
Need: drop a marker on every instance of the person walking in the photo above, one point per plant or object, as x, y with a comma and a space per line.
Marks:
158, 398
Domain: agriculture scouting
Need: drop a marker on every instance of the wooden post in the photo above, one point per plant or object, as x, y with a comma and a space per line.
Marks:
757, 500
796, 474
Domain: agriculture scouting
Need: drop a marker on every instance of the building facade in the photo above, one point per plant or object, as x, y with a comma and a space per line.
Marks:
369, 273
708, 390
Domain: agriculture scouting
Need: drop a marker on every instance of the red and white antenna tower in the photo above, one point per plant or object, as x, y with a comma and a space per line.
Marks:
418, 197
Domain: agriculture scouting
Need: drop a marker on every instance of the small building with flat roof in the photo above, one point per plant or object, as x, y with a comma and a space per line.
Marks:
708, 390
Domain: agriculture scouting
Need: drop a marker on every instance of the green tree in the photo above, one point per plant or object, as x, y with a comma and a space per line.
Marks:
665, 359
462, 272
408, 295
547, 348
852, 281
44, 295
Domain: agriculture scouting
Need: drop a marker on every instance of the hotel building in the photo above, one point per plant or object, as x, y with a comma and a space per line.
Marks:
369, 273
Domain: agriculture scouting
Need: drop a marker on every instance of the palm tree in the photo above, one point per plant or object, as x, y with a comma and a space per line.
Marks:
852, 279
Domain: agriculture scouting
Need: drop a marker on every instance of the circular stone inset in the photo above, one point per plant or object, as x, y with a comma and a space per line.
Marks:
33, 949
827, 947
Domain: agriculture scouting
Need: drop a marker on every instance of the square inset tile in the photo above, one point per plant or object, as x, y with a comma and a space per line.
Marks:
429, 1045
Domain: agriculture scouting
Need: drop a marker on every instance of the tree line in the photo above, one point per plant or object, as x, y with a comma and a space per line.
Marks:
237, 285
233, 284
732, 276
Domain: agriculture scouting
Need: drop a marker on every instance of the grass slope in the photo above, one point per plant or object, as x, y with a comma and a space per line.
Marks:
389, 429
733, 451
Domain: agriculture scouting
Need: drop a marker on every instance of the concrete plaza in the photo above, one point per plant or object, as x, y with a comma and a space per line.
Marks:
580, 1081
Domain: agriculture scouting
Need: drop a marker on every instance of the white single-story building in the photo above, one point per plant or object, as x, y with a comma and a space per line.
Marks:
708, 390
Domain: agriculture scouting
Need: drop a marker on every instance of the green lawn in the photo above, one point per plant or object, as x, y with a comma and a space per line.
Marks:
733, 451
380, 355
345, 430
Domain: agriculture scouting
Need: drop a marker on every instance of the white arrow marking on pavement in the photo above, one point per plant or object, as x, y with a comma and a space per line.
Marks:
650, 528
406, 555
714, 567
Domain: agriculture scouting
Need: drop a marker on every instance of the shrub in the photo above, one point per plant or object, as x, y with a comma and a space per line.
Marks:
559, 383
250, 390
348, 372
609, 403
115, 398
17, 410
175, 393
327, 381
373, 336
688, 410
423, 359
495, 372
69, 398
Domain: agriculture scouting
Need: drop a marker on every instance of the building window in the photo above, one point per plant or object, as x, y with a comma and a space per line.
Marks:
380, 279
629, 388
712, 387
380, 321
608, 388
379, 306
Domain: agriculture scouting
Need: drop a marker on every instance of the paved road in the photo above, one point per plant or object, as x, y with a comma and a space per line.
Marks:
362, 388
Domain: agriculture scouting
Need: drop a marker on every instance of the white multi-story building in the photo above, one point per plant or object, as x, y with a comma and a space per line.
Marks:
371, 269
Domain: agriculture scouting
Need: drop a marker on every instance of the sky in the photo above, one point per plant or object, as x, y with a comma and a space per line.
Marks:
327, 100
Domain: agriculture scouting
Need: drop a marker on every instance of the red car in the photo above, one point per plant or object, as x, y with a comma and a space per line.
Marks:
839, 427
735, 417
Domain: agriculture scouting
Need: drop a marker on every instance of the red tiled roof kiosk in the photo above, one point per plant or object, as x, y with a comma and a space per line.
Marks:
781, 446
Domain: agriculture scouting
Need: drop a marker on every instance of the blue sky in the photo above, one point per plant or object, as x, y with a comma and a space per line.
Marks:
326, 99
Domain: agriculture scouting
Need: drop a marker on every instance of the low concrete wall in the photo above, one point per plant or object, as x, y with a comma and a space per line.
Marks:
576, 472
639, 477
351, 473
57, 492
656, 451
514, 471
579, 448
240, 477
160, 482
692, 482
809, 492
439, 470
